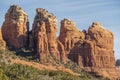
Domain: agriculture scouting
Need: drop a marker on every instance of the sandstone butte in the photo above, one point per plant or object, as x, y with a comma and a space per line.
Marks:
91, 49
44, 37
15, 28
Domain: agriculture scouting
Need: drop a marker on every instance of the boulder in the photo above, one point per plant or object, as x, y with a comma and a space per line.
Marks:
15, 27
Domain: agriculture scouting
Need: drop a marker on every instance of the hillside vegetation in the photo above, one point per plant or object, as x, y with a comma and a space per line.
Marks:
18, 71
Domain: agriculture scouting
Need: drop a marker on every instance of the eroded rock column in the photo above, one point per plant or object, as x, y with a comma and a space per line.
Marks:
15, 27
44, 36
72, 39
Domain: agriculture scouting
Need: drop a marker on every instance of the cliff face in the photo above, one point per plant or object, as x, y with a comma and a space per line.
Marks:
15, 27
92, 50
72, 39
69, 34
44, 36
98, 51
100, 45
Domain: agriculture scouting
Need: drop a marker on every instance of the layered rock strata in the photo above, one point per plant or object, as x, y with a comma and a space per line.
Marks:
98, 51
93, 50
44, 36
69, 34
15, 27
72, 39
99, 47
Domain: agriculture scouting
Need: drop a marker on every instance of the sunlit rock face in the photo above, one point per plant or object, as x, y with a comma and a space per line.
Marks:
69, 34
99, 47
44, 36
72, 39
98, 51
15, 27
92, 50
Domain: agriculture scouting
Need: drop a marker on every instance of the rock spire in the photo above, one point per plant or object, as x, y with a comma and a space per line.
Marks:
15, 27
44, 36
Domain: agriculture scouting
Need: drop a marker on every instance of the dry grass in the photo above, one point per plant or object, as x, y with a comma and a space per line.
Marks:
44, 67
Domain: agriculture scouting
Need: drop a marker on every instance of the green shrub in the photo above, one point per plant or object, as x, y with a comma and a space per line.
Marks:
21, 72
3, 75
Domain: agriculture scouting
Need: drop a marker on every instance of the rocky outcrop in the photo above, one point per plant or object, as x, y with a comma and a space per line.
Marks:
97, 54
71, 38
98, 51
2, 42
92, 50
69, 34
87, 49
44, 40
15, 27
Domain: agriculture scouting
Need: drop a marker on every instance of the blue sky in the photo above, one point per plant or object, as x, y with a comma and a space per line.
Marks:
82, 12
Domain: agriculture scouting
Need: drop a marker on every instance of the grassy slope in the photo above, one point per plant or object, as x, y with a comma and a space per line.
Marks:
20, 71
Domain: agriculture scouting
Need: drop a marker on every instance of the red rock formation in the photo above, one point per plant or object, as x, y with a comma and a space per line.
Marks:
98, 51
100, 47
94, 52
41, 41
2, 42
69, 34
44, 36
72, 39
15, 27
